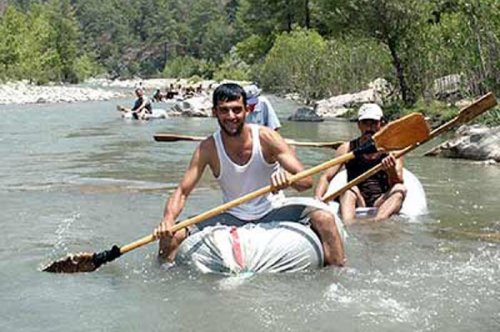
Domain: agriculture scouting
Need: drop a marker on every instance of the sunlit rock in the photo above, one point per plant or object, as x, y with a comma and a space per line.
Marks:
472, 142
448, 88
378, 91
305, 114
193, 107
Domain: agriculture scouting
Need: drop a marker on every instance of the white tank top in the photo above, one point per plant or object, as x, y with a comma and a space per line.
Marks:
237, 180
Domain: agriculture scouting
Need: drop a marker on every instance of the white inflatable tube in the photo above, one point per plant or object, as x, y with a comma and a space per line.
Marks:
158, 113
257, 248
266, 247
415, 203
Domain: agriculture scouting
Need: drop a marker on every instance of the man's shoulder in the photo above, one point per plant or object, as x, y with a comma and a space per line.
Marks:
207, 145
269, 136
264, 101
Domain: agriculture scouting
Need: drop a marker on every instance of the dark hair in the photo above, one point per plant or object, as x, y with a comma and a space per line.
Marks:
228, 92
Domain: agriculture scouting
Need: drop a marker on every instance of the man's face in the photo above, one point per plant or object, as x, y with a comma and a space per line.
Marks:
231, 116
139, 93
369, 127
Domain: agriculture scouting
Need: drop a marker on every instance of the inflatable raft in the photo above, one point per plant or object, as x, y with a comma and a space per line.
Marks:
266, 247
257, 248
158, 113
278, 246
415, 203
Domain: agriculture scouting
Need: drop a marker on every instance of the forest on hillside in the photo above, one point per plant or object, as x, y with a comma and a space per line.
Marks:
317, 48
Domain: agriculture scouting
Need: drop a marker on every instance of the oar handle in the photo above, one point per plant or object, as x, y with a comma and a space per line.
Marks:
175, 138
332, 145
165, 137
248, 197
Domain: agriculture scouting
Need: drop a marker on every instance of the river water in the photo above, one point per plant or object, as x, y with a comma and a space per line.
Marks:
76, 177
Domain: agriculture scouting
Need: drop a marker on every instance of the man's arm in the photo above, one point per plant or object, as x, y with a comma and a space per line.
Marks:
327, 176
272, 119
276, 149
177, 200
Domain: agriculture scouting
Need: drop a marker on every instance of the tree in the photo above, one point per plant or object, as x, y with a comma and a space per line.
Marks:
391, 22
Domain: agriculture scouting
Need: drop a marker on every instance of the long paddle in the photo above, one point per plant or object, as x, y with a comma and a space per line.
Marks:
465, 115
167, 137
396, 135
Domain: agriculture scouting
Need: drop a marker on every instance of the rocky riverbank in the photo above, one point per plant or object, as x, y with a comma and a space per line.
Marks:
22, 92
471, 142
25, 93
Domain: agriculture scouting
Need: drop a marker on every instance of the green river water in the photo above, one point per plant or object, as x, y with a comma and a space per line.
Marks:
76, 177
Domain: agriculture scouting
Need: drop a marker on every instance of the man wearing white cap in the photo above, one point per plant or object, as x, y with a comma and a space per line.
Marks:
385, 189
260, 109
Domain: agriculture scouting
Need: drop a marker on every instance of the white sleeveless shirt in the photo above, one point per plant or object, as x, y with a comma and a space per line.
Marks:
237, 180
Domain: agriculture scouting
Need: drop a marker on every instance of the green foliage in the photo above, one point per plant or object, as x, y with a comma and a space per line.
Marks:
232, 68
490, 118
352, 64
295, 63
253, 49
302, 61
86, 67
41, 45
187, 66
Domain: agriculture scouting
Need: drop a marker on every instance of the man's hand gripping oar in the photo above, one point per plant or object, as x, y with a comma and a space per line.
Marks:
408, 130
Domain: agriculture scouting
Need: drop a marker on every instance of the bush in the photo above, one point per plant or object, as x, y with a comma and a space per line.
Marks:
302, 61
295, 64
232, 68
186, 66
253, 49
86, 67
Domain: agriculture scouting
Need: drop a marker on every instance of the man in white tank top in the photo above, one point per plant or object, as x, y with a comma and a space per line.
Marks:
243, 158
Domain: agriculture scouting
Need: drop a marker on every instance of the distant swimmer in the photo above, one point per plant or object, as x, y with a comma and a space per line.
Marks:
142, 106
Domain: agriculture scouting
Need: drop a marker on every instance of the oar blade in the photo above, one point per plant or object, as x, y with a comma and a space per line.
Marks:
164, 138
477, 108
410, 129
83, 262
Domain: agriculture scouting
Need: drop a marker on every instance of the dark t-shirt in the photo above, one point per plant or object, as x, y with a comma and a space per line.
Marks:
373, 187
138, 103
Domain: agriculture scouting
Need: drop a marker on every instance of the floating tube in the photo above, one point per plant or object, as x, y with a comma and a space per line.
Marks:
415, 203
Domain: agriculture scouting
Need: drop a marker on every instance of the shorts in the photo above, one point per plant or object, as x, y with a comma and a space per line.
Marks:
294, 209
295, 213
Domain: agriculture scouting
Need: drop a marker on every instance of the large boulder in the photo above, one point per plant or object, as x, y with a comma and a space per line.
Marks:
472, 142
333, 107
305, 114
193, 107
448, 88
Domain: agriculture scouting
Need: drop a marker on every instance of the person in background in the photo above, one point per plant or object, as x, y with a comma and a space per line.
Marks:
385, 189
159, 96
260, 109
142, 106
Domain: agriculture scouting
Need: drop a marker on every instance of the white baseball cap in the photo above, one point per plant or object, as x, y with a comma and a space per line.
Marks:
370, 112
253, 93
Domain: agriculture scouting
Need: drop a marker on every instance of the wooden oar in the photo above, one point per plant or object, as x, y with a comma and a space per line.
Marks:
465, 115
167, 137
396, 135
